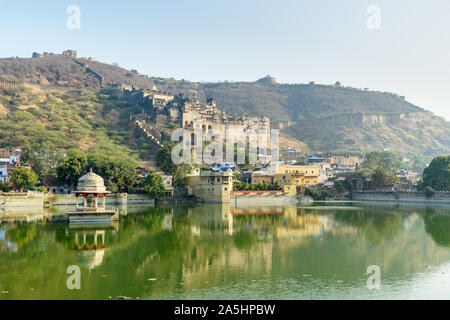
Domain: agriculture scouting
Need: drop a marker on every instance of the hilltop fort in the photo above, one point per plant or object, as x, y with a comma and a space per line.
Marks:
162, 110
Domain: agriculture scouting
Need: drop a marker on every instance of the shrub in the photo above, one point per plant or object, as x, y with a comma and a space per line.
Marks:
3, 187
316, 193
429, 192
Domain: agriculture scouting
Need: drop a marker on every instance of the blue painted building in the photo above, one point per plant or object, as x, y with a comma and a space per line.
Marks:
4, 174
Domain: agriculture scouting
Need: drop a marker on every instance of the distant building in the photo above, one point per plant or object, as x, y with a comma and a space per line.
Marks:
9, 159
345, 160
4, 174
187, 111
284, 174
6, 153
299, 175
70, 53
211, 186
67, 53
293, 154
52, 184
141, 174
315, 160
168, 186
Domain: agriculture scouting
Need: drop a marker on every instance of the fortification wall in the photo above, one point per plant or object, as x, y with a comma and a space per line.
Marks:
117, 199
261, 199
140, 199
5, 84
23, 199
438, 197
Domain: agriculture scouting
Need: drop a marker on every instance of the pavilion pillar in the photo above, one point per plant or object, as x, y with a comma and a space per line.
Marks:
103, 200
84, 202
96, 200
77, 200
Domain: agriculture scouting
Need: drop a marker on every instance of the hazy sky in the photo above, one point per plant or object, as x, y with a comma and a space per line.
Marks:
237, 40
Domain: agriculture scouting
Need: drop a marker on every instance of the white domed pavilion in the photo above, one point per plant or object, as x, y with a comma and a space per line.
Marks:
91, 186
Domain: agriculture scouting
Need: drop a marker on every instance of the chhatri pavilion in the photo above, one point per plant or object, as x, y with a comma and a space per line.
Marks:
91, 187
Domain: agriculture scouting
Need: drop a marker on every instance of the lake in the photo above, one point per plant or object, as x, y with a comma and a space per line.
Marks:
326, 251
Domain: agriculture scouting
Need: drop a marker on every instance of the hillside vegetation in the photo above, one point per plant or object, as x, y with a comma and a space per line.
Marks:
324, 117
76, 119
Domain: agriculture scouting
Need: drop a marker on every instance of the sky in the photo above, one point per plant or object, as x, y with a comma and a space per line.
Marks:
400, 46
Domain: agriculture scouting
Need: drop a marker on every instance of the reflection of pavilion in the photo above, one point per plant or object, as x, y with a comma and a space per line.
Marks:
90, 246
90, 259
85, 245
89, 243
91, 186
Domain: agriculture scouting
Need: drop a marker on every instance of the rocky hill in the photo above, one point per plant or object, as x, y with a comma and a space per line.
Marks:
325, 117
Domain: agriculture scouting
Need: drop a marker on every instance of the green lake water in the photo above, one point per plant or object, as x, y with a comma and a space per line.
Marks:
221, 252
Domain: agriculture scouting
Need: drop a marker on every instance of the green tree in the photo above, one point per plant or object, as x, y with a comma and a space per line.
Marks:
437, 174
24, 178
42, 156
429, 192
72, 169
237, 176
165, 163
119, 174
164, 158
381, 177
154, 186
316, 193
342, 186
388, 160
3, 187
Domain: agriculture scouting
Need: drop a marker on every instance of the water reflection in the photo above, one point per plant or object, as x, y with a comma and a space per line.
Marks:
29, 214
222, 251
437, 224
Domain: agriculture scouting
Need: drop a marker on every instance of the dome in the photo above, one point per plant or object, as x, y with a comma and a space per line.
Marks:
91, 182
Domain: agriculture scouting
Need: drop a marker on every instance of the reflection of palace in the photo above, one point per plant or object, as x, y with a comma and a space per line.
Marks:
280, 222
299, 225
22, 214
177, 251
249, 243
